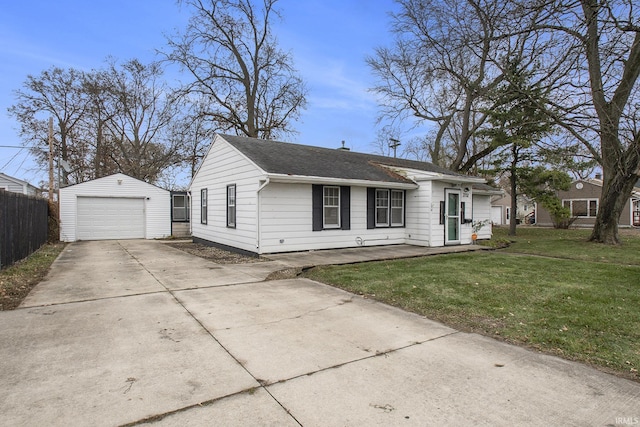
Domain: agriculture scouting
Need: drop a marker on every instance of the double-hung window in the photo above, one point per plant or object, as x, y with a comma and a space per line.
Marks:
331, 207
382, 208
231, 206
397, 208
385, 208
203, 206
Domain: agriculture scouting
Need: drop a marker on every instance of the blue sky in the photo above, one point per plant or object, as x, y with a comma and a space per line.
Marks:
328, 39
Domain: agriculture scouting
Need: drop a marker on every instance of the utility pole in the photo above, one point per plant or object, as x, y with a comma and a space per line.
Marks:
394, 143
51, 185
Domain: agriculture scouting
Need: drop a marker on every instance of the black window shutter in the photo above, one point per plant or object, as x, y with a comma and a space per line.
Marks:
404, 201
316, 201
345, 208
442, 212
371, 208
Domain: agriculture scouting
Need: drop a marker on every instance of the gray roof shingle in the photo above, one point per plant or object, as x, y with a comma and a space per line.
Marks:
303, 160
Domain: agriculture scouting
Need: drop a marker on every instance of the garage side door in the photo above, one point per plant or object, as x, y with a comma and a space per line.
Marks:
103, 218
496, 215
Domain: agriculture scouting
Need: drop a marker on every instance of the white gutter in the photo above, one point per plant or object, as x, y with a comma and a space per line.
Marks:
264, 184
303, 179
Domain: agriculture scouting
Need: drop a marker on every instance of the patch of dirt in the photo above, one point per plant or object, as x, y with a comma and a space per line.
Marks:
288, 273
217, 255
629, 231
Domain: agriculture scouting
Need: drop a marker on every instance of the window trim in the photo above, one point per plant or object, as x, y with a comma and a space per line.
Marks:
203, 205
588, 202
373, 208
391, 208
325, 206
231, 206
386, 208
183, 209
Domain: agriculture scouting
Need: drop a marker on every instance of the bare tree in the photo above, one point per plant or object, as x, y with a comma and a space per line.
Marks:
443, 64
54, 93
594, 49
139, 108
230, 52
94, 125
192, 130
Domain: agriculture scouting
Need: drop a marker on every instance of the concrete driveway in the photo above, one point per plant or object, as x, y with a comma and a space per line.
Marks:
128, 332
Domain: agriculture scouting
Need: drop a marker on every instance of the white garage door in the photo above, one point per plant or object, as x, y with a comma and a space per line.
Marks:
496, 215
102, 218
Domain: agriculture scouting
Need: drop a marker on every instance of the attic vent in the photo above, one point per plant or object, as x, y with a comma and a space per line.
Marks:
343, 148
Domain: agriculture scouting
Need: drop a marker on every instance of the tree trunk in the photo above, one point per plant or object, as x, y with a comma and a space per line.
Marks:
513, 181
616, 191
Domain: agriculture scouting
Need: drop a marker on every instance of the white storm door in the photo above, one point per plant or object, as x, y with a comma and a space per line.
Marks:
452, 217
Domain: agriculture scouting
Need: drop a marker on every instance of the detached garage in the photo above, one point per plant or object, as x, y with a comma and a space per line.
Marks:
114, 207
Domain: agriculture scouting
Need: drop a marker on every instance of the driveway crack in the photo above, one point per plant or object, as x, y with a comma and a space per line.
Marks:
298, 316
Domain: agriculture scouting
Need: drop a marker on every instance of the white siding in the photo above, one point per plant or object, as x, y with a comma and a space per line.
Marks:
437, 229
16, 186
419, 215
482, 212
287, 225
224, 166
466, 197
157, 203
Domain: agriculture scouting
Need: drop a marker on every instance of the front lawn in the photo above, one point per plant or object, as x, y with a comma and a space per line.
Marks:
550, 290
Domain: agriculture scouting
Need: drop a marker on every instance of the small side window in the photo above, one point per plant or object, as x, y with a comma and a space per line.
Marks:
231, 206
203, 206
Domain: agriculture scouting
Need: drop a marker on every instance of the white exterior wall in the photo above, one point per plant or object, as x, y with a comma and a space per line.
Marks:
157, 203
482, 212
438, 195
419, 215
286, 215
16, 186
224, 166
436, 229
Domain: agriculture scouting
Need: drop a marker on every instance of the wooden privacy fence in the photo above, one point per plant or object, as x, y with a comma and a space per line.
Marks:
23, 226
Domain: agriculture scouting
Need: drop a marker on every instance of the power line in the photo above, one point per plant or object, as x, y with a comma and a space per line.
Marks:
12, 159
13, 146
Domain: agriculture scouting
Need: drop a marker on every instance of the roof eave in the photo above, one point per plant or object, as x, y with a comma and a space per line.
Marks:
303, 179
496, 192
452, 178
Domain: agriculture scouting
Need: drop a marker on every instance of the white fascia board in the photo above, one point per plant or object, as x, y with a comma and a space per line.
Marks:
302, 179
496, 192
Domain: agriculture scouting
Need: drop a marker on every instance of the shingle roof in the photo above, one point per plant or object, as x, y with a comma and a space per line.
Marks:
303, 160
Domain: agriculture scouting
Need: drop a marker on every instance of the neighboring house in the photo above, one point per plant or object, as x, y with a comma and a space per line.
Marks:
114, 207
264, 197
583, 199
15, 185
501, 209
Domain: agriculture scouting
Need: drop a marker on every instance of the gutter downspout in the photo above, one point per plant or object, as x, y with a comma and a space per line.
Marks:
258, 220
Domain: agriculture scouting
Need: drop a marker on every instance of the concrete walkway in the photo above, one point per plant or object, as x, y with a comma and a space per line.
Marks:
124, 332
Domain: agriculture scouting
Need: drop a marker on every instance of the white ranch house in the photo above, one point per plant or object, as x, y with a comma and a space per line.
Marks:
261, 197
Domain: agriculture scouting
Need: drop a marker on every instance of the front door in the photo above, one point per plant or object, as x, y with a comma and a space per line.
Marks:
452, 219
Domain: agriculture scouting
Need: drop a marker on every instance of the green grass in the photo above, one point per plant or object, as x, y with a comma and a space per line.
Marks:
550, 290
16, 281
572, 244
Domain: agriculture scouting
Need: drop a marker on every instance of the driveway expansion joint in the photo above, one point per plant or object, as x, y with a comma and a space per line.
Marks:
207, 331
371, 356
